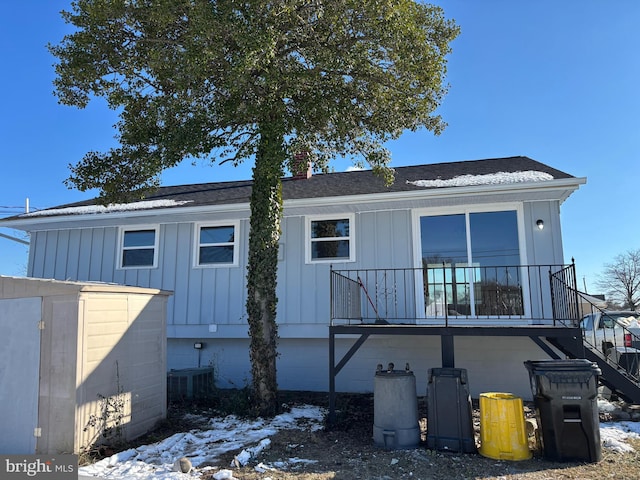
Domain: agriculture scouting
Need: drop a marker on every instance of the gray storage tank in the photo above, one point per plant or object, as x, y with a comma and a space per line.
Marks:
395, 409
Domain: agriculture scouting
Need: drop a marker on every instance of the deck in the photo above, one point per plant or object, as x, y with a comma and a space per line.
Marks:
539, 302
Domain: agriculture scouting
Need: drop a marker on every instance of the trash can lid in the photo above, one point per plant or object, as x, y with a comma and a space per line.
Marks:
570, 365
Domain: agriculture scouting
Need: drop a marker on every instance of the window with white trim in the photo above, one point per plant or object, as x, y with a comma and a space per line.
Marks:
471, 263
216, 244
330, 239
139, 247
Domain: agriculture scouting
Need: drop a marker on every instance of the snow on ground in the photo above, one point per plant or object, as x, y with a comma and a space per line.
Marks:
250, 437
614, 434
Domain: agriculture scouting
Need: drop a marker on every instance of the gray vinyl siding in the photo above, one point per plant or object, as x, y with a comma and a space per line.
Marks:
210, 302
543, 246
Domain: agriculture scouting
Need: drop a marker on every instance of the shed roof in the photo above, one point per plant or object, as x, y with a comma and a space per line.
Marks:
19, 287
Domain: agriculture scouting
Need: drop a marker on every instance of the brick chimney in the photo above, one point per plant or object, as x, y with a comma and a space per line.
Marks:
301, 168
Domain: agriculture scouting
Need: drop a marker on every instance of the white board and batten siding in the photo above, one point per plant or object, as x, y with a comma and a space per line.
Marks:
208, 304
94, 341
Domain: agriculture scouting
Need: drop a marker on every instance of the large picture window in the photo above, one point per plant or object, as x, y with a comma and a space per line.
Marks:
330, 239
139, 247
217, 245
471, 264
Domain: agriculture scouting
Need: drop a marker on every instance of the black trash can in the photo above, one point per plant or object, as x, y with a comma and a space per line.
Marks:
449, 412
565, 396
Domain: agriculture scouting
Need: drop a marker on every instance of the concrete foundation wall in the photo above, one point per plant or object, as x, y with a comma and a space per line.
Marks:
495, 364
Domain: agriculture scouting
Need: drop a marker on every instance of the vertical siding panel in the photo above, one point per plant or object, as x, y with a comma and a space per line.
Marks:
155, 274
210, 294
182, 269
194, 296
366, 236
400, 246
36, 256
130, 276
73, 255
119, 275
109, 254
144, 277
32, 248
320, 313
291, 272
50, 254
84, 259
283, 267
97, 242
61, 257
167, 258
229, 287
543, 246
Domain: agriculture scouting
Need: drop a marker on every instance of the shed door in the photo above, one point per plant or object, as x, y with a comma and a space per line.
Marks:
19, 374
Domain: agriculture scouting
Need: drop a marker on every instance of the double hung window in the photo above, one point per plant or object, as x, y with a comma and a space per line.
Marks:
330, 239
139, 247
217, 245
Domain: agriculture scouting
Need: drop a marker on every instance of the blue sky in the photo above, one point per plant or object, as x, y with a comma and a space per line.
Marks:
553, 80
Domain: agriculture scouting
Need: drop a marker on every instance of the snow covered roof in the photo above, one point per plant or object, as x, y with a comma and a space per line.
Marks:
114, 207
486, 179
481, 174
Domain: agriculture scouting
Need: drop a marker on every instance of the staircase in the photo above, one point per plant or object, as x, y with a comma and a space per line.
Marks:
624, 384
619, 373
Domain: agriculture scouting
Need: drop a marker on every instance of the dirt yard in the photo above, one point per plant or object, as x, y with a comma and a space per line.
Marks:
346, 451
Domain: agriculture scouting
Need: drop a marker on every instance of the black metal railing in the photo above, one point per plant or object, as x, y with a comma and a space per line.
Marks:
612, 333
565, 301
443, 293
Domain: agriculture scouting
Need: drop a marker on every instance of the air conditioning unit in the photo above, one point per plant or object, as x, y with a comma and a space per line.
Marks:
190, 384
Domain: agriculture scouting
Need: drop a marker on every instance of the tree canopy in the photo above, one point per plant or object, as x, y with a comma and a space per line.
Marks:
196, 79
270, 81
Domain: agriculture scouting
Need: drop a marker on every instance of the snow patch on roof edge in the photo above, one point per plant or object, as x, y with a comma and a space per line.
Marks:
488, 179
113, 207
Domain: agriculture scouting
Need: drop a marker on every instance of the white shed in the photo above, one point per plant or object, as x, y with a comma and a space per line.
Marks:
81, 363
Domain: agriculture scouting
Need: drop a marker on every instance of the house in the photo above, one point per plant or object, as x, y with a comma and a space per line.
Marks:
461, 244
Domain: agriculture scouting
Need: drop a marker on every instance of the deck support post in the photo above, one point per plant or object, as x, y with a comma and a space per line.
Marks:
335, 369
332, 377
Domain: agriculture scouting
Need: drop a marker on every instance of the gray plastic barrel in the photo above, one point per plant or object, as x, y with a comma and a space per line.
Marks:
395, 409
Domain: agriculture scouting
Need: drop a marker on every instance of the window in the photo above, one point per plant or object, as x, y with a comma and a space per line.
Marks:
472, 264
139, 247
216, 245
330, 239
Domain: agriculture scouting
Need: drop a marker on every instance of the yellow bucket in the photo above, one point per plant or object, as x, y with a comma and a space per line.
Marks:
503, 433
